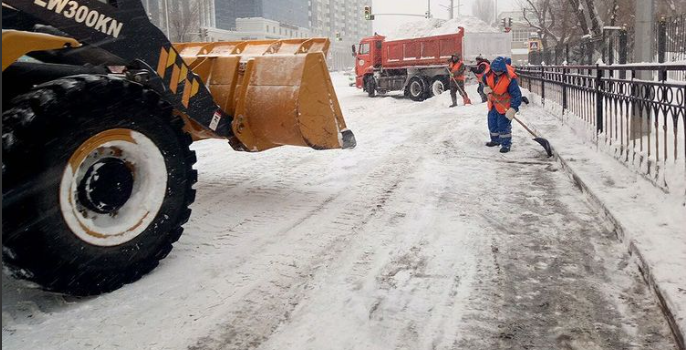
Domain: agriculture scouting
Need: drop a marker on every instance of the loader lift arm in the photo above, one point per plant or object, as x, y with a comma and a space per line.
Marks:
118, 29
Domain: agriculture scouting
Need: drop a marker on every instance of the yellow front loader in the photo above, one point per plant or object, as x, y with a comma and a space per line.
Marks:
100, 110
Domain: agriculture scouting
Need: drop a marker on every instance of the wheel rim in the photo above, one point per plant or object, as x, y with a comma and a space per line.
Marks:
415, 88
113, 187
438, 87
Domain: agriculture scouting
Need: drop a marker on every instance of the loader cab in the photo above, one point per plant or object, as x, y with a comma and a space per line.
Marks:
368, 56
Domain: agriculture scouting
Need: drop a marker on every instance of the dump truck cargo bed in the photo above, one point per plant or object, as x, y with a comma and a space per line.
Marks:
428, 51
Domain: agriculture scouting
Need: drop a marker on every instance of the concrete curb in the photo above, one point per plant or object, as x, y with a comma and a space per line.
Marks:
621, 233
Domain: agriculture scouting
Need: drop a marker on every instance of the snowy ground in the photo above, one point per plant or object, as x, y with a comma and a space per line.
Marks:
420, 238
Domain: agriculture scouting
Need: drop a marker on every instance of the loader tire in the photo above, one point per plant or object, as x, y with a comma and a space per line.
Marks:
97, 182
417, 88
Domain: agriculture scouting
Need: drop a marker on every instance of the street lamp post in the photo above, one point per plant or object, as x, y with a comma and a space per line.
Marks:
166, 17
496, 11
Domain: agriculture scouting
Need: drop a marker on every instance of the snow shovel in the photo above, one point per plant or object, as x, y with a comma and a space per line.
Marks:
462, 92
541, 141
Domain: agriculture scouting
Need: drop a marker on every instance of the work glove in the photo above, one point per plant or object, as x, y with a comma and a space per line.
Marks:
487, 90
510, 114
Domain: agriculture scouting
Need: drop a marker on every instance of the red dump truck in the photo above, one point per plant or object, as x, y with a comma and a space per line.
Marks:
416, 66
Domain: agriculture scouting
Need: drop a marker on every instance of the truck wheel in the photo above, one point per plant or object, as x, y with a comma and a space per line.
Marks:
417, 88
371, 87
437, 87
98, 179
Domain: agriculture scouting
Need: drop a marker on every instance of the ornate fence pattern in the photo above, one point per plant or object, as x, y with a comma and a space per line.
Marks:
640, 121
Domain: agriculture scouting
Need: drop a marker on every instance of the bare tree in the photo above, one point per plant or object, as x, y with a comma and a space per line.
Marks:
184, 20
483, 10
670, 7
596, 22
578, 9
538, 14
553, 19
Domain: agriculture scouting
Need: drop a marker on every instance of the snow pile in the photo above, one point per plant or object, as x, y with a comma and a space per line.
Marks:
435, 26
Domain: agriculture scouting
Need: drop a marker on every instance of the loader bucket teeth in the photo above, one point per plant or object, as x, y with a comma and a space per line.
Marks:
279, 91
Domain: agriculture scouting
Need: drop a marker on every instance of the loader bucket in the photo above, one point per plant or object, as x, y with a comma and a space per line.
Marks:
279, 91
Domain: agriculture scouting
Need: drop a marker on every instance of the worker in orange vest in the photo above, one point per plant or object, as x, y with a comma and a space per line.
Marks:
504, 99
482, 67
457, 69
513, 72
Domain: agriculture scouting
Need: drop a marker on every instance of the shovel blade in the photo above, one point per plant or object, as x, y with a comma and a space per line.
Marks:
546, 145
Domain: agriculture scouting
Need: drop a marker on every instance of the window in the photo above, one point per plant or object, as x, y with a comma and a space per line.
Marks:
364, 49
520, 35
267, 28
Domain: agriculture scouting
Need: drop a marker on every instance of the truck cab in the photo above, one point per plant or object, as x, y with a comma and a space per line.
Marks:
367, 56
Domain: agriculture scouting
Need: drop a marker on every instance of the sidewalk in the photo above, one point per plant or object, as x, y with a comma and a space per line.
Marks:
650, 222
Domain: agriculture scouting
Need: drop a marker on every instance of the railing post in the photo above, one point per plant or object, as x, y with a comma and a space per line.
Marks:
604, 54
623, 51
564, 90
623, 46
661, 40
611, 50
599, 99
542, 85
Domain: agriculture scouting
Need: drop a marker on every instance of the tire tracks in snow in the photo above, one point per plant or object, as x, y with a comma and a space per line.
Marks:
318, 236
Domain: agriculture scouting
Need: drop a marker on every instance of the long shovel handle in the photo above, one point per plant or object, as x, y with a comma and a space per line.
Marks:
519, 121
525, 127
456, 84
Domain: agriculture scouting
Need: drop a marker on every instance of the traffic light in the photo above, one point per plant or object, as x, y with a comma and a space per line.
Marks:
368, 13
507, 24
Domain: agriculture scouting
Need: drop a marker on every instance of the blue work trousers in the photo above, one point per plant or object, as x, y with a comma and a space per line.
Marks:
500, 128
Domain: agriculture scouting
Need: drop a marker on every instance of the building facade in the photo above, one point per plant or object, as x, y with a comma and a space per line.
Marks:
181, 20
289, 12
342, 21
256, 28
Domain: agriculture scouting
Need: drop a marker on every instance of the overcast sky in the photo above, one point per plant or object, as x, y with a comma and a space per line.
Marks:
383, 24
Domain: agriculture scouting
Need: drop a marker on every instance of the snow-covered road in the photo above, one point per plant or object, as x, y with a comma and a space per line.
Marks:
419, 238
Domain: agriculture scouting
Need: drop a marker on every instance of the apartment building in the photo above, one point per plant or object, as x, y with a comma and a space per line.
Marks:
289, 12
212, 20
342, 21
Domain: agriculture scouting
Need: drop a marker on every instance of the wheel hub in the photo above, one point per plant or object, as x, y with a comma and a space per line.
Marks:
113, 186
415, 88
106, 186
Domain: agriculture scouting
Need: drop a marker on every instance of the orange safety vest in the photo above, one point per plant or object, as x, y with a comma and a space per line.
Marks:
500, 97
486, 70
454, 67
511, 71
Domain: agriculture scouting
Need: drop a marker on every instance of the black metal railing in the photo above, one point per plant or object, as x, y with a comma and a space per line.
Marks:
670, 42
641, 120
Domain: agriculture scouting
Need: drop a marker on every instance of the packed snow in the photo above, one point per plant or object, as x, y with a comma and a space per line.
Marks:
434, 26
419, 238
